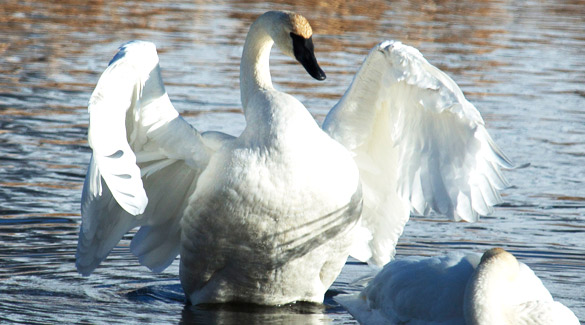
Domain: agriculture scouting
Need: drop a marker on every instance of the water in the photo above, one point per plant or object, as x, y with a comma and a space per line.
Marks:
520, 62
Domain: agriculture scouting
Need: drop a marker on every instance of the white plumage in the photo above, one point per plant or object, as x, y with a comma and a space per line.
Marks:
457, 289
271, 216
419, 145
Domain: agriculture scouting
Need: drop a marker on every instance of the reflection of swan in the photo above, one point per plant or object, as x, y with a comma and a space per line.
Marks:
230, 313
270, 217
454, 289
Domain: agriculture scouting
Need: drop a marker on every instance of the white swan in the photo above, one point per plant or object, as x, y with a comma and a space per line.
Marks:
457, 289
270, 217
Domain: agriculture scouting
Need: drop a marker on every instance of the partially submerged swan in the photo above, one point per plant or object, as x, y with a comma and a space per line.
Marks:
457, 289
270, 217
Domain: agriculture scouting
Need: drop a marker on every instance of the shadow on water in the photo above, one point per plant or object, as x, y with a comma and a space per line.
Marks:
237, 313
299, 313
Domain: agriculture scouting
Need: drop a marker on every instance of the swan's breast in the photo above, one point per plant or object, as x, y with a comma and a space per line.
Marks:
264, 192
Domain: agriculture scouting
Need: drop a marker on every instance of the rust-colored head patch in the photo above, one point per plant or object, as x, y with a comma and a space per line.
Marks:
496, 253
300, 25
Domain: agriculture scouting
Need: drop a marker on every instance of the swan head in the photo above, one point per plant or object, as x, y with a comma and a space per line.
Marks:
293, 36
498, 262
491, 287
498, 254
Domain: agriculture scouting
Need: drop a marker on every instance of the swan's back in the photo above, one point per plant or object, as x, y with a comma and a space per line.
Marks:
415, 290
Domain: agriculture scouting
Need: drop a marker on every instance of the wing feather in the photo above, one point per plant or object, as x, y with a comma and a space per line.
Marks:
419, 144
145, 164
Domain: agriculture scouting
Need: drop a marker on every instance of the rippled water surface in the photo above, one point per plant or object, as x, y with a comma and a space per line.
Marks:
520, 62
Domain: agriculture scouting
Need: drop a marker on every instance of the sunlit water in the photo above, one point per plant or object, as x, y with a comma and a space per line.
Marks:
520, 62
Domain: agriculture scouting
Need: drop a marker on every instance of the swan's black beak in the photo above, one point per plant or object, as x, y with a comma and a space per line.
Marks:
304, 53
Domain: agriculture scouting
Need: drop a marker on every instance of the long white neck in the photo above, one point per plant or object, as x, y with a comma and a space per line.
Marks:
254, 67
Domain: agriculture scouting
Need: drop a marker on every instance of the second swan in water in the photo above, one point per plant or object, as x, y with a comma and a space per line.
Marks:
457, 289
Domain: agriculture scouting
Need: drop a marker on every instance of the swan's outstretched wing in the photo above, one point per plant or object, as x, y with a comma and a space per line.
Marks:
145, 163
419, 145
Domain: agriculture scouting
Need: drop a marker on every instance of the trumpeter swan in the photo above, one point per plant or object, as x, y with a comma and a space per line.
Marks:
270, 216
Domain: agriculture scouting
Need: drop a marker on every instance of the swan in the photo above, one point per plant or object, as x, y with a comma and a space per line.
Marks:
457, 289
270, 217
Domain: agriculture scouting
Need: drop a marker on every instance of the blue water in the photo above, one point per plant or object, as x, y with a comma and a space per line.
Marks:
520, 62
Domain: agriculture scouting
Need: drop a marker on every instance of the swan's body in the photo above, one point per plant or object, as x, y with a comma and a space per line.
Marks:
457, 289
270, 217
282, 158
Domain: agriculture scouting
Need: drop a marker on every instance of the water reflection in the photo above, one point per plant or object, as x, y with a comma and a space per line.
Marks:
519, 62
300, 313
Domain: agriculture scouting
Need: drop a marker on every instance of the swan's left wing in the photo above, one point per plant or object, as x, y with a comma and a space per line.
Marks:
145, 164
419, 144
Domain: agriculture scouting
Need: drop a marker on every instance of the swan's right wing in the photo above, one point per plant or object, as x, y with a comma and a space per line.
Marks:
145, 163
419, 145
